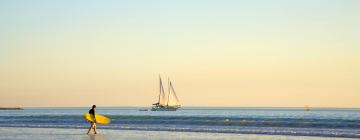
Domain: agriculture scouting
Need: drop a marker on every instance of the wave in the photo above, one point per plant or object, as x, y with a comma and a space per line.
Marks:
193, 120
246, 125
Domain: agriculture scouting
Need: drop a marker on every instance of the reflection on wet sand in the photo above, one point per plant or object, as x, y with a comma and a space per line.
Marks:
96, 137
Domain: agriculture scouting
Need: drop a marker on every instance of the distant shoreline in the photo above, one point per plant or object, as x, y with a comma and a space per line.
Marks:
11, 108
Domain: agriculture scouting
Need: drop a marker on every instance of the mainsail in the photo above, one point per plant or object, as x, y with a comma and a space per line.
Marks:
162, 98
172, 98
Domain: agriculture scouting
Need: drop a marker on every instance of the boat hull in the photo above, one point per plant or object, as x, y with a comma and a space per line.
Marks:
164, 108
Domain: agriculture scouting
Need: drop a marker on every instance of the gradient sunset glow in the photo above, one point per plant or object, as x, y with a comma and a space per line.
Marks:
217, 53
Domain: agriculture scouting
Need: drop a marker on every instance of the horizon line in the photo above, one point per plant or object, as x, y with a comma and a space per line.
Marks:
316, 107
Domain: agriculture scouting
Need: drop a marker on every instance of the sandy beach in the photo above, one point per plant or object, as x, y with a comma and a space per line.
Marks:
16, 133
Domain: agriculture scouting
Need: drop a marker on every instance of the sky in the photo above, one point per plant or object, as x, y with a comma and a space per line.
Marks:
242, 53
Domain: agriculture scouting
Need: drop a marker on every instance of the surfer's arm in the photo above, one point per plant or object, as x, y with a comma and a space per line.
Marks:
94, 117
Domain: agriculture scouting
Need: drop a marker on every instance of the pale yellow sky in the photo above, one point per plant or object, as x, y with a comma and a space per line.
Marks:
224, 53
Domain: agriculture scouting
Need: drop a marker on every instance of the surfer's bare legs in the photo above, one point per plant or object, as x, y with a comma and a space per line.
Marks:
89, 129
93, 126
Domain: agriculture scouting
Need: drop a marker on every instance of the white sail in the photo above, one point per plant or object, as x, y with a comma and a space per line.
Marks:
172, 98
162, 98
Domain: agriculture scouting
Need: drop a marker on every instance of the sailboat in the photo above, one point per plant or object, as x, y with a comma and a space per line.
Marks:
169, 103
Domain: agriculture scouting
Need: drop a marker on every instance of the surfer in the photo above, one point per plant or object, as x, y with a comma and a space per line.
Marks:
93, 124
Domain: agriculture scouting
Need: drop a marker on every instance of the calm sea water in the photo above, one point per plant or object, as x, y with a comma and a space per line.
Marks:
320, 122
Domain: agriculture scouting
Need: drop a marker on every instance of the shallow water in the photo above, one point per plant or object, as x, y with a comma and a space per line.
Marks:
319, 122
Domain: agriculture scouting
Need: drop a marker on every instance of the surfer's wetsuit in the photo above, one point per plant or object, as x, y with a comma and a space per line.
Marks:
92, 111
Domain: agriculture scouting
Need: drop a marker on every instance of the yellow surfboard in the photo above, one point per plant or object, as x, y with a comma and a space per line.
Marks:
101, 119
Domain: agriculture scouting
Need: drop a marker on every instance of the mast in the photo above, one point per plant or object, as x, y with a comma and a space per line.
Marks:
167, 104
160, 83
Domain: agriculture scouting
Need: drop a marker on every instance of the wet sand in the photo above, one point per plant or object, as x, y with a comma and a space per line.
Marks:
16, 133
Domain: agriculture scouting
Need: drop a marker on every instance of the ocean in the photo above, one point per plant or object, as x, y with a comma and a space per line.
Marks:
275, 122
